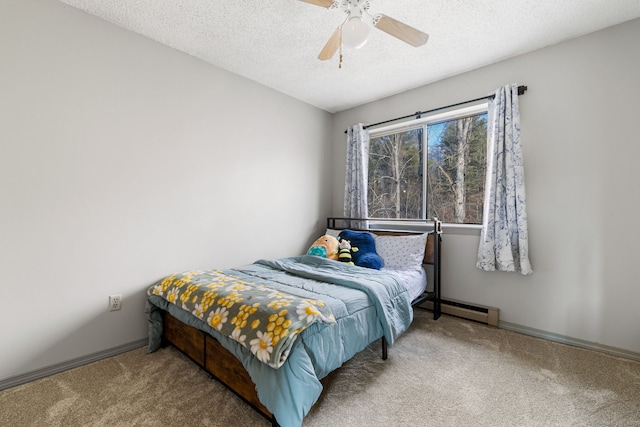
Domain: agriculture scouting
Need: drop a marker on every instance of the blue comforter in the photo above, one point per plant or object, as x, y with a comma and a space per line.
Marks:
367, 304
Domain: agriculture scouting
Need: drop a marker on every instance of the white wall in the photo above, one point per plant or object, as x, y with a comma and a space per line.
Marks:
581, 150
122, 161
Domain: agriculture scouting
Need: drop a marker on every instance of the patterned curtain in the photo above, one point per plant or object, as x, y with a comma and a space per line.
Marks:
504, 240
355, 183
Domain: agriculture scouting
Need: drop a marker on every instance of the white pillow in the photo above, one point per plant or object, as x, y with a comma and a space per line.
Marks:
401, 252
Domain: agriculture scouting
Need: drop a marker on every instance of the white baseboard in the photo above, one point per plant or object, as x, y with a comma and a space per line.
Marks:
454, 310
65, 366
489, 316
569, 341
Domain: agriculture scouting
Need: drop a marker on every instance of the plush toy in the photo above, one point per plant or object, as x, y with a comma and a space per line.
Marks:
366, 255
344, 255
326, 246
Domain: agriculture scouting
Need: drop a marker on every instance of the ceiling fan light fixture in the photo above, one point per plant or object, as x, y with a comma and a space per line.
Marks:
355, 32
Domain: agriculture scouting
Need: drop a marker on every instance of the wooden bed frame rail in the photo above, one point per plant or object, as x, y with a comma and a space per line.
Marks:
216, 360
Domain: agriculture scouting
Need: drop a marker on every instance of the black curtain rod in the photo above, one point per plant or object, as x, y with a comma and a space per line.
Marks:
418, 114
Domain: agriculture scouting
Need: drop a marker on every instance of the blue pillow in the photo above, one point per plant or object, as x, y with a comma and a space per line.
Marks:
366, 255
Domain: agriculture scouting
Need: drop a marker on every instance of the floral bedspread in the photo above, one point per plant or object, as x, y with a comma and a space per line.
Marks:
263, 320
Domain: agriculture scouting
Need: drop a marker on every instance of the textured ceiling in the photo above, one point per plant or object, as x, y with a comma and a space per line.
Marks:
276, 42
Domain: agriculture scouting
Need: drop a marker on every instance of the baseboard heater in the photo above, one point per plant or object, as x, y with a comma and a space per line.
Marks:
465, 310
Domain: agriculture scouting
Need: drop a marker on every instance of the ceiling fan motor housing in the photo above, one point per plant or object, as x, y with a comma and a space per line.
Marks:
354, 7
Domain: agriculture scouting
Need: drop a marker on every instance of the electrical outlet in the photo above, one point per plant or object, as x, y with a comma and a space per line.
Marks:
114, 302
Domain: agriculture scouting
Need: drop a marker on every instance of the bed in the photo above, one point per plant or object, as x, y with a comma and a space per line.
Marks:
278, 327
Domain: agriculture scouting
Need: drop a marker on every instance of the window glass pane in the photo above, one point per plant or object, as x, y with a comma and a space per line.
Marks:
456, 169
396, 186
446, 180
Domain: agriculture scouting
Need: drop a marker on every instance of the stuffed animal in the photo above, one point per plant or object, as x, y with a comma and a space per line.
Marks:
344, 255
326, 246
366, 255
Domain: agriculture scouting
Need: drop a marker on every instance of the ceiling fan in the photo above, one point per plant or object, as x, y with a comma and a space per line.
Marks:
355, 29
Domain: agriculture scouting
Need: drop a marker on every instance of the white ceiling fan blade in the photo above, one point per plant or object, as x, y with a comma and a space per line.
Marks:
323, 3
331, 47
401, 31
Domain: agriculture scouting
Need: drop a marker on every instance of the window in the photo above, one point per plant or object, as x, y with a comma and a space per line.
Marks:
445, 180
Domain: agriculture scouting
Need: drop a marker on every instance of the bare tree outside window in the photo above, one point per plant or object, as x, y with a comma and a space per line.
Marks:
396, 175
451, 186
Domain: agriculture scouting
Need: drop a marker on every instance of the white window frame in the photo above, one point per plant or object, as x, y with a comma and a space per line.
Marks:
430, 119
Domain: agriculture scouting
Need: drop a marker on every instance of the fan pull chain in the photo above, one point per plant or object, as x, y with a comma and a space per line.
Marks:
340, 64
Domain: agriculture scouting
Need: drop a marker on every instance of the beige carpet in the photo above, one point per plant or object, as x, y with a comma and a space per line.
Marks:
448, 372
